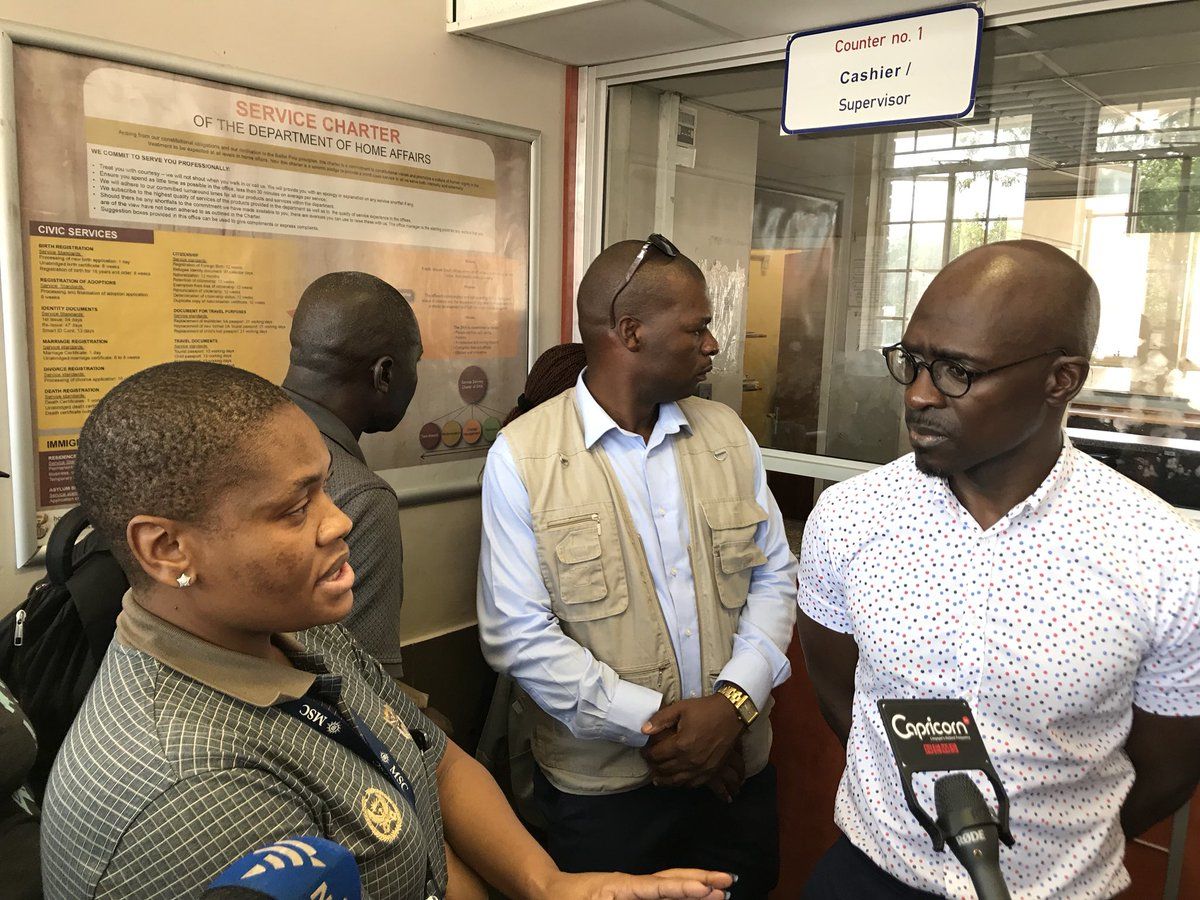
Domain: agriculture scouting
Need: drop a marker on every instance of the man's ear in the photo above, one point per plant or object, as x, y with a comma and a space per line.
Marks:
628, 332
155, 544
381, 374
1067, 379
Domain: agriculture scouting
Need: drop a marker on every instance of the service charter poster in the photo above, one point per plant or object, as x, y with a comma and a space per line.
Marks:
170, 218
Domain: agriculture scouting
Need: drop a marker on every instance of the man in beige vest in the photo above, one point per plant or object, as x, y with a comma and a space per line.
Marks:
636, 582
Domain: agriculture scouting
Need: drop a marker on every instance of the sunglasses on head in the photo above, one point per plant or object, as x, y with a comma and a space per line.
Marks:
659, 243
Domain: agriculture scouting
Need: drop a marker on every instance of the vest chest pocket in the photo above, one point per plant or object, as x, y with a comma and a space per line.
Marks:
588, 588
732, 524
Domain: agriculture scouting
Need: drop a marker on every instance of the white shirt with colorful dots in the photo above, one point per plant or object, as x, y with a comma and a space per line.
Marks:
1083, 601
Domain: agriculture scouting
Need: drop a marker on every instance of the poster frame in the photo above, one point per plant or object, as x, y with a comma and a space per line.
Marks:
414, 484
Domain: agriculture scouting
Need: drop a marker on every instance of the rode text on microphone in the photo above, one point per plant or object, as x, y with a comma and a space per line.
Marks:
938, 736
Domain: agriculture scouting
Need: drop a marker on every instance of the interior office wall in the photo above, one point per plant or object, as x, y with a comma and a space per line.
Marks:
389, 48
705, 207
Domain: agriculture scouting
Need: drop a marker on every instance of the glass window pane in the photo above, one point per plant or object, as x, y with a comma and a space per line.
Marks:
1013, 128
935, 138
975, 135
1008, 193
971, 195
890, 332
966, 236
896, 249
917, 282
1117, 260
929, 198
900, 199
927, 245
892, 286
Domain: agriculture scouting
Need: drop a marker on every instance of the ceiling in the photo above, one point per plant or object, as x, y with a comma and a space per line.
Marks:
591, 32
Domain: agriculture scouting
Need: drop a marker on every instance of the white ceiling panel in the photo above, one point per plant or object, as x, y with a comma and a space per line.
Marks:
600, 34
764, 18
591, 32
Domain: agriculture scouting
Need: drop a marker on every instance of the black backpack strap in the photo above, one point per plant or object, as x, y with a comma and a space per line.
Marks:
60, 548
96, 589
92, 576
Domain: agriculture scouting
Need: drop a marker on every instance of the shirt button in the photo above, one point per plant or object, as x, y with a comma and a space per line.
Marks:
624, 740
674, 572
693, 693
687, 632
661, 512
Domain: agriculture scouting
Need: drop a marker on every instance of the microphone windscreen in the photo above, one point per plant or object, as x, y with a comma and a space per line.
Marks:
291, 869
958, 792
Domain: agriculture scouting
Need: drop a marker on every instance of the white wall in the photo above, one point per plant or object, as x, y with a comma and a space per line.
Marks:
389, 48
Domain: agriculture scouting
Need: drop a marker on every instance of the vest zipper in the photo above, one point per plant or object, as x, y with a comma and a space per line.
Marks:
647, 579
19, 630
685, 482
575, 520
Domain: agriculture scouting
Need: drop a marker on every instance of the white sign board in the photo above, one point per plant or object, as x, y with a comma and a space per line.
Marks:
918, 67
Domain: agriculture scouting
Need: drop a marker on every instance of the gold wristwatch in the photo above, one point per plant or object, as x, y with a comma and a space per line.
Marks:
741, 701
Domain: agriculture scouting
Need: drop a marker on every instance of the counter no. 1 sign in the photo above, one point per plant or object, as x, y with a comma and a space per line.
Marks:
919, 67
463, 429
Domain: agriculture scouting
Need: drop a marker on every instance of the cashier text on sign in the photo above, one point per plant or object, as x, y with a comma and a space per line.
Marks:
912, 68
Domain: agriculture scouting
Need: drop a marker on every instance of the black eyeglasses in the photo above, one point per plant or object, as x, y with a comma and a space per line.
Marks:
659, 243
952, 378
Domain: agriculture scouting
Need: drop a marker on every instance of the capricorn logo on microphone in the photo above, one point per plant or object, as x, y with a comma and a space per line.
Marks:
931, 735
938, 737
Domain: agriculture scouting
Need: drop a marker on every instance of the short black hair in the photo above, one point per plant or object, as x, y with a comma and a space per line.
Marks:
644, 295
345, 321
166, 442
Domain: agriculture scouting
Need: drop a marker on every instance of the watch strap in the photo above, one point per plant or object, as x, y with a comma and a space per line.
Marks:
746, 709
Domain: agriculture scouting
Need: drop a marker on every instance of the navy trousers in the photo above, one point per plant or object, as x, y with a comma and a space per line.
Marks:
652, 828
846, 873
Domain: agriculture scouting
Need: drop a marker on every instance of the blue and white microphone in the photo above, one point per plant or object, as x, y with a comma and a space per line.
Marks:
298, 868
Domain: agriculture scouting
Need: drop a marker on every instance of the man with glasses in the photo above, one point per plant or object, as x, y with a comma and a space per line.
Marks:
1000, 565
636, 582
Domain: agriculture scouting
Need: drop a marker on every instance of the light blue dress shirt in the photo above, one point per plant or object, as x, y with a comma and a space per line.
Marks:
522, 638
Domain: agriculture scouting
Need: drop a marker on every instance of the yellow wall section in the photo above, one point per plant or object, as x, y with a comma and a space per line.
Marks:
762, 354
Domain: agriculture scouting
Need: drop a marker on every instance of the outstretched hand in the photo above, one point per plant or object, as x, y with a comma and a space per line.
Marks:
673, 883
690, 740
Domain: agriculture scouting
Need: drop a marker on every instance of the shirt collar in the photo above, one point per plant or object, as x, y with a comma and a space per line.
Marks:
1053, 483
597, 423
328, 424
250, 679
1044, 492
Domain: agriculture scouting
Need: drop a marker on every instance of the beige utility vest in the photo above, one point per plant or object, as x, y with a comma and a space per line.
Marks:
595, 569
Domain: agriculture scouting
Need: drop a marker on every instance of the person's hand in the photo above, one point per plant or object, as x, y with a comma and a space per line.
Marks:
615, 886
701, 734
730, 777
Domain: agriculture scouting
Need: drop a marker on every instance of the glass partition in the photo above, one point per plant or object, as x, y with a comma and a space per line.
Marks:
1085, 134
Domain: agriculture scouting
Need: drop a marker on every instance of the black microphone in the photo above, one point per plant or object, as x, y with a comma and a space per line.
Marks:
971, 830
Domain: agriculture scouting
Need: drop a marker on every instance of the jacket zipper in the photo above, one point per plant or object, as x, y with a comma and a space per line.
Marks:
19, 630
575, 520
647, 579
